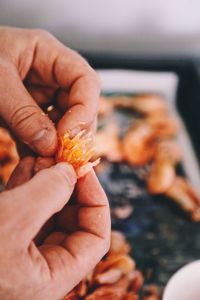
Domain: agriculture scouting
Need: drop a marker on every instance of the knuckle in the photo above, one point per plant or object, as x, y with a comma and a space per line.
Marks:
23, 116
42, 34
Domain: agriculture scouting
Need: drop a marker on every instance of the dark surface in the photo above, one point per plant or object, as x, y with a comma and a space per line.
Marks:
162, 236
188, 71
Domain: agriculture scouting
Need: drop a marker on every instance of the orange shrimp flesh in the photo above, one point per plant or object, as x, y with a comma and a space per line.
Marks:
77, 151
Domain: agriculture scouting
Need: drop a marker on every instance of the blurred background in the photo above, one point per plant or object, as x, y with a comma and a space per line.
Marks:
128, 26
158, 44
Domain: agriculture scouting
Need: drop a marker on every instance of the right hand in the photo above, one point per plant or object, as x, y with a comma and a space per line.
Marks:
77, 241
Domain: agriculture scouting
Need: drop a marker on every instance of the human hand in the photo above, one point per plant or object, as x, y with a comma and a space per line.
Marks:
78, 239
37, 71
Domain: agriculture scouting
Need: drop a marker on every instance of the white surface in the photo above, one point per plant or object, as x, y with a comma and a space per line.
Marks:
131, 26
164, 83
185, 284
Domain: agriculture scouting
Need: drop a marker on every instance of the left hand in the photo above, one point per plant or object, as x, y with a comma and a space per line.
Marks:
37, 71
77, 238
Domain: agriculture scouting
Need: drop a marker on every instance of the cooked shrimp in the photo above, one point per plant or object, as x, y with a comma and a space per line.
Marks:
171, 149
109, 277
119, 244
107, 143
145, 104
105, 107
139, 144
77, 151
161, 175
184, 195
164, 125
151, 293
122, 262
115, 291
131, 296
115, 277
122, 212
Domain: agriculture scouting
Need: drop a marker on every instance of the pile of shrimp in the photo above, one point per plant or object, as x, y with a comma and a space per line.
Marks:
8, 155
115, 277
149, 141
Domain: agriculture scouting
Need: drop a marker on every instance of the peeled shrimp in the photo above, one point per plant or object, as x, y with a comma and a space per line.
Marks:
118, 244
139, 144
184, 195
170, 149
162, 172
164, 125
77, 151
160, 177
144, 104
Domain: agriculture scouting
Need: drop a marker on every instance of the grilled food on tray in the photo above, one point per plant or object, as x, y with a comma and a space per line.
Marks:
115, 277
149, 141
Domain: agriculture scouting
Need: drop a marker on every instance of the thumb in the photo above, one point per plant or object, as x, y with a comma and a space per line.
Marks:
38, 199
23, 115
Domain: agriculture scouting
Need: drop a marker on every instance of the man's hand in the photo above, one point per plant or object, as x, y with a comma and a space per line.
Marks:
78, 239
37, 71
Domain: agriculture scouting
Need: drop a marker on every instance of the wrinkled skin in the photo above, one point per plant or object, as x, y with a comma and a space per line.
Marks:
36, 71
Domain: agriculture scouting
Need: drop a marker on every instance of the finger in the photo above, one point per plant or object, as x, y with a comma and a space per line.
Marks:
55, 238
82, 104
89, 191
38, 199
57, 65
94, 214
23, 115
42, 163
67, 219
83, 249
42, 95
22, 173
46, 229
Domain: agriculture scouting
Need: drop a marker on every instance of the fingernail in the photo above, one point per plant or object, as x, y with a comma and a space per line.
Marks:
68, 170
74, 131
44, 142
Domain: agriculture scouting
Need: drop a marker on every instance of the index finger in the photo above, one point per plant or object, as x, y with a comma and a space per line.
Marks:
83, 98
94, 223
83, 249
57, 65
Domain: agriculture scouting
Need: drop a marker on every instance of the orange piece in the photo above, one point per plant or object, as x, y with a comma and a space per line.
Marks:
77, 151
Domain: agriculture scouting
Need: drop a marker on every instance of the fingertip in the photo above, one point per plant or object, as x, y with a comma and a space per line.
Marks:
45, 142
68, 171
75, 120
90, 191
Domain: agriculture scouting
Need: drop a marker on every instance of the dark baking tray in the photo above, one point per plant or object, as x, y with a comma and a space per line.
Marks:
163, 238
